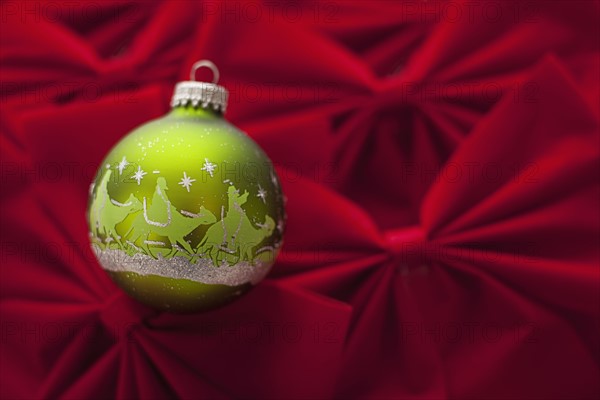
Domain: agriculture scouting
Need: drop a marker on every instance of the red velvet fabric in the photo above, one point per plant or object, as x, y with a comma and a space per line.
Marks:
440, 161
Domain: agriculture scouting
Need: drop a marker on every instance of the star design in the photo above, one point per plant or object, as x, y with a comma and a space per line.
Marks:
122, 165
139, 175
186, 181
209, 167
262, 193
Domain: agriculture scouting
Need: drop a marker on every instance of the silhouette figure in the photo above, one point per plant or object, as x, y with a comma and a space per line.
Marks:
107, 213
113, 213
100, 198
234, 236
163, 219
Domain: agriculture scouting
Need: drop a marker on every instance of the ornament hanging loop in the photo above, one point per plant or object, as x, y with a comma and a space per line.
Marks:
201, 94
206, 64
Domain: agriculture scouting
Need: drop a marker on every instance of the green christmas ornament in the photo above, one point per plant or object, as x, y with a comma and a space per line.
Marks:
186, 212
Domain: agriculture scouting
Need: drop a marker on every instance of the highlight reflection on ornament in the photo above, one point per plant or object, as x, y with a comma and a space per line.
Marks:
186, 212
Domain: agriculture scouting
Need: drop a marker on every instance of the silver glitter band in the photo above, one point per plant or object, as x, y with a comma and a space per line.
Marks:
177, 267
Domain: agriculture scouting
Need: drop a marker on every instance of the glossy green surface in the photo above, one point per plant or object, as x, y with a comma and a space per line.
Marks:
177, 295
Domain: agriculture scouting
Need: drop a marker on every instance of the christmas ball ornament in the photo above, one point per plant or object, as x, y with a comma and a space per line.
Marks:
186, 212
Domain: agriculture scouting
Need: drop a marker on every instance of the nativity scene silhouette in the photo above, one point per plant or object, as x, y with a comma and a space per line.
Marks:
156, 228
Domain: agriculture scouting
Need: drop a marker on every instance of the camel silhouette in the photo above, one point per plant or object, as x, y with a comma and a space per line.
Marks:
113, 213
163, 219
234, 237
107, 213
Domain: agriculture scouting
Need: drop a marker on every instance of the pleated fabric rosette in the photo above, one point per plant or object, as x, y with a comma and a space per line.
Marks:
440, 162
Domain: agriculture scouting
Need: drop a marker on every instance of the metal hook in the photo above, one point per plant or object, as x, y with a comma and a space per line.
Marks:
208, 64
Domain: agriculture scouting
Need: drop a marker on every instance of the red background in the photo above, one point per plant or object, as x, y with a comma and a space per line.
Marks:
440, 161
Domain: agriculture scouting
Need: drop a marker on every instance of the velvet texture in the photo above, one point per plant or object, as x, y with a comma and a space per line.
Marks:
440, 162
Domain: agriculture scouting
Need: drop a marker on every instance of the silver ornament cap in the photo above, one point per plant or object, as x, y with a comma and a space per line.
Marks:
201, 94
